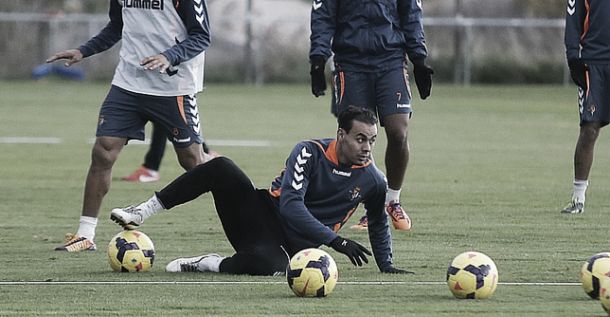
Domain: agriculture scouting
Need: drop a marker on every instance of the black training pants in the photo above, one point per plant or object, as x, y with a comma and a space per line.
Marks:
247, 215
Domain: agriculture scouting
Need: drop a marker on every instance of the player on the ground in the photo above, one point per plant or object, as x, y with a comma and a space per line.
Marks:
321, 186
159, 72
371, 41
587, 41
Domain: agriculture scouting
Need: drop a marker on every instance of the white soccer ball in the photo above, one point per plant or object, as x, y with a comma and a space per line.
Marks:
312, 273
472, 275
593, 271
604, 294
131, 251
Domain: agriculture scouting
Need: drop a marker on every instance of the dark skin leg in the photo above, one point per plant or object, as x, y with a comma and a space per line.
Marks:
397, 151
583, 155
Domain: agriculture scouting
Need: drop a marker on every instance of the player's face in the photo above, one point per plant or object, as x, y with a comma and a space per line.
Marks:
354, 148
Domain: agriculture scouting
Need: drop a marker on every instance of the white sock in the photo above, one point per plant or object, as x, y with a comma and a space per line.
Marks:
211, 264
392, 195
86, 227
580, 187
151, 207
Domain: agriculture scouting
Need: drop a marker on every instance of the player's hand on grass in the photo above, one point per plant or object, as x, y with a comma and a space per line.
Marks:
394, 270
318, 80
158, 61
71, 56
578, 72
354, 250
423, 77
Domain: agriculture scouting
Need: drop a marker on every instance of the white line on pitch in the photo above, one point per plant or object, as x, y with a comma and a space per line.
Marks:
29, 140
259, 283
212, 142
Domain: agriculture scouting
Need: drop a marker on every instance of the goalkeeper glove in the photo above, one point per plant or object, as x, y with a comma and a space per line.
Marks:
354, 251
578, 72
318, 80
423, 77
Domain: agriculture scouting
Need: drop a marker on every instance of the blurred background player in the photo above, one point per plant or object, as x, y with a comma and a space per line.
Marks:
587, 41
149, 170
322, 184
371, 41
159, 72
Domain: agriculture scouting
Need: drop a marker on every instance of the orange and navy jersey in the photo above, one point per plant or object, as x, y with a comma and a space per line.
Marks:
587, 34
316, 195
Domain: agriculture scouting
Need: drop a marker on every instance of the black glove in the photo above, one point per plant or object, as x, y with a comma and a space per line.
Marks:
578, 70
354, 251
318, 79
393, 270
423, 77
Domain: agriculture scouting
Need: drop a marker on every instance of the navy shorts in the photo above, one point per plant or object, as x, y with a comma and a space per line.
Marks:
124, 115
385, 93
594, 104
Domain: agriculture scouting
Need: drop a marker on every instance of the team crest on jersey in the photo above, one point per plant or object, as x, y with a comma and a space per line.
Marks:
354, 193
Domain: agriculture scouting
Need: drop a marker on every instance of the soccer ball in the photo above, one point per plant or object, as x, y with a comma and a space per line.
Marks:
604, 294
472, 275
593, 271
312, 273
131, 251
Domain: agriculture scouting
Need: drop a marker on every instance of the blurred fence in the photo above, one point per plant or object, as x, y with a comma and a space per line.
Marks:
514, 41
462, 50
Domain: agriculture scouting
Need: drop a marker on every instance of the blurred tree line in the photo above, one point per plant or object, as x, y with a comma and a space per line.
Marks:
521, 8
543, 8
53, 6
281, 39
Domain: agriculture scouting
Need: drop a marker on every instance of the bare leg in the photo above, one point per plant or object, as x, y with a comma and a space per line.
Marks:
583, 155
191, 156
103, 155
397, 151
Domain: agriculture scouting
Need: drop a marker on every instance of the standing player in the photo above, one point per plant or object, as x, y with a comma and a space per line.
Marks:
159, 72
587, 40
321, 186
371, 41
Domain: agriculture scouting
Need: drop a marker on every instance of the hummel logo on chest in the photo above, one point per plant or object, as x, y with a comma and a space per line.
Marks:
341, 173
317, 4
143, 4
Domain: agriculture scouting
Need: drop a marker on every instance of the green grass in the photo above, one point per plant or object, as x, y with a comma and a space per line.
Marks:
490, 168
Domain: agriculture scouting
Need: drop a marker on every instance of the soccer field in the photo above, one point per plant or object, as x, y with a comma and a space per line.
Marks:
490, 168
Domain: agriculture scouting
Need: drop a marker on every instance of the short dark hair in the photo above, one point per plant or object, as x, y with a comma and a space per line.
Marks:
351, 113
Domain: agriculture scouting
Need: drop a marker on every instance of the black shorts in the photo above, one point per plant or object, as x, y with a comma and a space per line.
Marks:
385, 93
124, 114
594, 104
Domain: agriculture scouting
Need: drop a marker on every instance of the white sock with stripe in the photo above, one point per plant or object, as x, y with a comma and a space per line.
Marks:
579, 190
